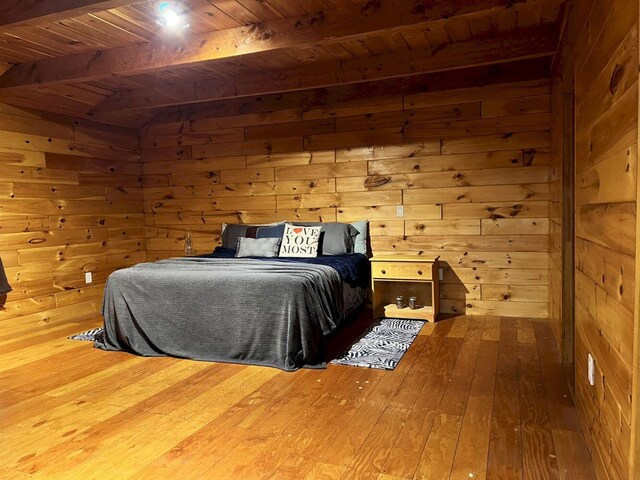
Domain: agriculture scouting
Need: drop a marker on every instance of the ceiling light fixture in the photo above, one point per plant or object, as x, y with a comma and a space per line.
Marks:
172, 15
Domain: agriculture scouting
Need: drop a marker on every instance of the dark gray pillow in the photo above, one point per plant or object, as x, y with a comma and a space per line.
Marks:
276, 231
335, 238
233, 231
231, 234
258, 247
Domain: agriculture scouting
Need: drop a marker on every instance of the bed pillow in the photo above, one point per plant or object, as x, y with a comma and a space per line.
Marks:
275, 231
300, 241
232, 231
360, 242
258, 247
335, 238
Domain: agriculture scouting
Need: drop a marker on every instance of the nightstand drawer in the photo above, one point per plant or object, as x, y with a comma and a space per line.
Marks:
402, 270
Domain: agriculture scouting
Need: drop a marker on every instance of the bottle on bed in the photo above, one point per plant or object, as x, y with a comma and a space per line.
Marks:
188, 243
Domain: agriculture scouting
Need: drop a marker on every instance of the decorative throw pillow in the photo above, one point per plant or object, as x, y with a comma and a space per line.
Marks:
258, 247
299, 241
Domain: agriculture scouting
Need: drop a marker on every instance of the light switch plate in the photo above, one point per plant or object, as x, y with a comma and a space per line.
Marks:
400, 211
441, 274
88, 277
591, 367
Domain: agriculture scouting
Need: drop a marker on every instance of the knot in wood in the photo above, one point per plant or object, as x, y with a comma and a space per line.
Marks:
419, 9
316, 17
376, 181
371, 6
616, 77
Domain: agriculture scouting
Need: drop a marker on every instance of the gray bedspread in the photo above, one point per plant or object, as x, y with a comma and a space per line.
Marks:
230, 310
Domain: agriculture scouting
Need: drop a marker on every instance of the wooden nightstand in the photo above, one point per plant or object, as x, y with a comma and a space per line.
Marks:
409, 276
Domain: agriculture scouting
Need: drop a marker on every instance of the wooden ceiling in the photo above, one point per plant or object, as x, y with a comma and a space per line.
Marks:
110, 60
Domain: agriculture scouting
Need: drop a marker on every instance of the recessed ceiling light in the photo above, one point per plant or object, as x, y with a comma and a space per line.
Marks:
172, 16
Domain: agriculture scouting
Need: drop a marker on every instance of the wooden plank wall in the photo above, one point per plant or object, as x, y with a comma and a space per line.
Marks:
470, 166
70, 203
604, 62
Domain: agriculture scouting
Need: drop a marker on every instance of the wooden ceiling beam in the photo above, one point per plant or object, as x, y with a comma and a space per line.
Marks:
313, 29
517, 71
523, 44
24, 13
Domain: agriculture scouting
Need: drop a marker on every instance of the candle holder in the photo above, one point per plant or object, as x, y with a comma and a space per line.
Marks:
413, 303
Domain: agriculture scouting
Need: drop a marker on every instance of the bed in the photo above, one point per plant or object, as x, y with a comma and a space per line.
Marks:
276, 312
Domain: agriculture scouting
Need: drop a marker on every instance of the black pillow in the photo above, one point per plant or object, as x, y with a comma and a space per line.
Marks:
335, 238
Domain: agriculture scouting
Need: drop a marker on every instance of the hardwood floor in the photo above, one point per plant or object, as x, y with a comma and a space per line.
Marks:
474, 397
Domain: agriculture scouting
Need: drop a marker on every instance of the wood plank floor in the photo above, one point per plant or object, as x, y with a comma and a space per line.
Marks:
474, 397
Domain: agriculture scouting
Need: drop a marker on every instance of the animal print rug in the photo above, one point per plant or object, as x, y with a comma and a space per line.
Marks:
382, 345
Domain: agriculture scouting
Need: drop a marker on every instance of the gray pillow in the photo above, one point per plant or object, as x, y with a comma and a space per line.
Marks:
233, 231
276, 231
335, 238
360, 242
258, 247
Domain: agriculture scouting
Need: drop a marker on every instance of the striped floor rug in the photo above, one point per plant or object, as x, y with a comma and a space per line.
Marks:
382, 345
89, 335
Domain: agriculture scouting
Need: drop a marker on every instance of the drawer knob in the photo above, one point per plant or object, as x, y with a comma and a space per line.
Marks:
383, 271
419, 272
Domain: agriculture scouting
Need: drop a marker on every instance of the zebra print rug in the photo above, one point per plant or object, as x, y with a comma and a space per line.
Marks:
89, 335
382, 345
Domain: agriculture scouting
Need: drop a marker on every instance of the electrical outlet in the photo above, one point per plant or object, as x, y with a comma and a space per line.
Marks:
441, 274
400, 211
88, 277
591, 370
